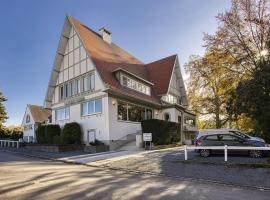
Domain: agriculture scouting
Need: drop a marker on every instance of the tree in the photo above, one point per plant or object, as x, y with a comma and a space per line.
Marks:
3, 113
209, 84
252, 98
243, 33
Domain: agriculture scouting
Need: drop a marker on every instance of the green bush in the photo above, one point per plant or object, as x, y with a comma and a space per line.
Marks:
163, 132
56, 139
71, 133
40, 134
51, 130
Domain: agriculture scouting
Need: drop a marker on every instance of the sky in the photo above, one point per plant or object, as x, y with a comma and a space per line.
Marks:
148, 29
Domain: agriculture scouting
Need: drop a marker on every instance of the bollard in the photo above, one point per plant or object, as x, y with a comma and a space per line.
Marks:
186, 156
225, 153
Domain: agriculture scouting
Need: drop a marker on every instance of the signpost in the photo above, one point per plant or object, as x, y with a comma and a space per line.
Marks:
147, 137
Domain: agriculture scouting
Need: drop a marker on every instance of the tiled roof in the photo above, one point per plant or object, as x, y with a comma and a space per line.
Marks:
39, 113
109, 57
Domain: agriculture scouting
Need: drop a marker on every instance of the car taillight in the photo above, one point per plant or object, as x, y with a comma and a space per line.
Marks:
198, 142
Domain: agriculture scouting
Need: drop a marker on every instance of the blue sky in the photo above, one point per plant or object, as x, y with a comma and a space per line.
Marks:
148, 29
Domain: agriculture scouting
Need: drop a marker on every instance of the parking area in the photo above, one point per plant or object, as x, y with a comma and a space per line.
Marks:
171, 163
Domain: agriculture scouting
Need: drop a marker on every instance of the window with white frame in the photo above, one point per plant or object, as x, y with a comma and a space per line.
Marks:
132, 112
62, 113
171, 99
91, 107
135, 85
74, 87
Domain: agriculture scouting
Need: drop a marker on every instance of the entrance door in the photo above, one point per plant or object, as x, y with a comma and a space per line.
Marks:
91, 136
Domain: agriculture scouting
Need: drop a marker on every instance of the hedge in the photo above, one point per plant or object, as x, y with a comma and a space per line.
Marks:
163, 132
71, 133
40, 134
51, 132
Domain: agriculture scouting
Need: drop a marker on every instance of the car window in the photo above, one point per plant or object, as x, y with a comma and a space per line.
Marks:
242, 135
228, 137
211, 137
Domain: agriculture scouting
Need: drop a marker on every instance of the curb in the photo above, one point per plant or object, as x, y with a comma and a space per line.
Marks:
131, 171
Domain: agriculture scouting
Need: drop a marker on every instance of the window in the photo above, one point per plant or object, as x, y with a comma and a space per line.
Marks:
85, 88
149, 114
92, 107
124, 81
171, 99
27, 119
132, 112
66, 90
62, 113
91, 82
227, 137
61, 92
73, 88
166, 116
135, 85
211, 137
98, 106
135, 113
122, 111
78, 86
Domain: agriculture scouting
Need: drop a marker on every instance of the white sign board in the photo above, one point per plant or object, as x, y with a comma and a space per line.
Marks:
147, 137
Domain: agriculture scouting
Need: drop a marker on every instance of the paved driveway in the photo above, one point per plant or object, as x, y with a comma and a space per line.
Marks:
28, 178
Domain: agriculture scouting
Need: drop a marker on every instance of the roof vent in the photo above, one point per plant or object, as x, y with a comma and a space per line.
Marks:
106, 35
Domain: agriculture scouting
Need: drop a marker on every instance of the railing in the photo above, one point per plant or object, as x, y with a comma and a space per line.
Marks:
225, 148
9, 143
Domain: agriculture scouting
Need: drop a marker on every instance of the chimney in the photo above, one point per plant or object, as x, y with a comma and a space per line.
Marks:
106, 35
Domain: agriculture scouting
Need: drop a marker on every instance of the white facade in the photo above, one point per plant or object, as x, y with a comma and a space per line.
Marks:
76, 93
28, 126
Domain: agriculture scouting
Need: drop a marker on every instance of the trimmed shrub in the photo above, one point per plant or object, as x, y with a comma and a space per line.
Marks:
56, 139
163, 132
51, 130
40, 134
71, 133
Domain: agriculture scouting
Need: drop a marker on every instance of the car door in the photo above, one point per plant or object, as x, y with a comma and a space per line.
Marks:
212, 140
231, 140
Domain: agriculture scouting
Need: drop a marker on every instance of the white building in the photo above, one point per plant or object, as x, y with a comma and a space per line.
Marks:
33, 116
108, 91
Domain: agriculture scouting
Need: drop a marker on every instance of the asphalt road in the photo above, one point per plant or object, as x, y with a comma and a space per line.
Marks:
29, 178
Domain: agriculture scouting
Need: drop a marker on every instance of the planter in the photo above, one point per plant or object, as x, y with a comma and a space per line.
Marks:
54, 148
96, 149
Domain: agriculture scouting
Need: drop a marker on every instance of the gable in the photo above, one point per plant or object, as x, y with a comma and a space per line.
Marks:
71, 61
27, 113
81, 50
177, 86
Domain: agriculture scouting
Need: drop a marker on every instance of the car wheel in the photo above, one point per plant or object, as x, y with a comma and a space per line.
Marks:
205, 153
255, 154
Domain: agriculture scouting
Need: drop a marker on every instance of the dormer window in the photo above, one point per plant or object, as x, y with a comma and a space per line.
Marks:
171, 99
134, 84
